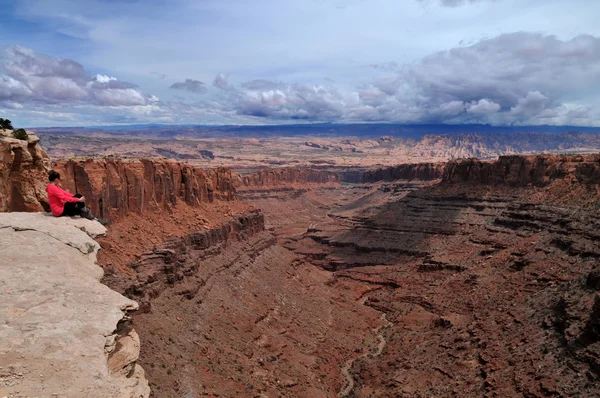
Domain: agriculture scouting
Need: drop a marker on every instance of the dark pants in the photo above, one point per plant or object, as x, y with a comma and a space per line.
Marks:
75, 209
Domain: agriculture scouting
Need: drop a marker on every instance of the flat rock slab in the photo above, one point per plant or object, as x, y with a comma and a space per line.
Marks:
55, 315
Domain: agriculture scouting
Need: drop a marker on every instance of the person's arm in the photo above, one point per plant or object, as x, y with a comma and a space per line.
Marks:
66, 197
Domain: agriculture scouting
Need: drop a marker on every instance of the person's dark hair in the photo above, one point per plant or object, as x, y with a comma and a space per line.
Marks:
53, 175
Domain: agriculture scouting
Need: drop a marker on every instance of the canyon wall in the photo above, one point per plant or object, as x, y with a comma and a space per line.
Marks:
23, 173
285, 176
175, 252
416, 171
115, 186
518, 170
227, 311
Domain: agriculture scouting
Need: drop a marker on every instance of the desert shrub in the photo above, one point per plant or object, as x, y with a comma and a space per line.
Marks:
20, 134
5, 124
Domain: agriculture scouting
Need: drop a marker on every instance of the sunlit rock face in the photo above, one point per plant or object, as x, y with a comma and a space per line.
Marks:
114, 186
60, 332
24, 167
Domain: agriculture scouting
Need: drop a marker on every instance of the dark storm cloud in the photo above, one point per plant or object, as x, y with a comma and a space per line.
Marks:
511, 78
191, 85
27, 76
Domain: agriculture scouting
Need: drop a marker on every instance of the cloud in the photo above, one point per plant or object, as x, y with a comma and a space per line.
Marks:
513, 78
530, 105
30, 77
191, 85
483, 107
449, 109
517, 78
268, 99
221, 82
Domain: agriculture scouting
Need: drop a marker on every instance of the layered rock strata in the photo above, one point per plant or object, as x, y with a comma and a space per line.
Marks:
226, 311
286, 176
517, 170
175, 253
416, 171
114, 186
490, 289
63, 333
24, 169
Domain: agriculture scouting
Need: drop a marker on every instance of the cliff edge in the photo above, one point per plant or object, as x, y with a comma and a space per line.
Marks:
61, 331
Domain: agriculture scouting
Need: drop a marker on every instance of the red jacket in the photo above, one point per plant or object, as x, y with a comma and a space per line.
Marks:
58, 197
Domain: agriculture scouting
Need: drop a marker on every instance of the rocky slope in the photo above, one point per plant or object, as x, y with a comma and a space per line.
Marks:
114, 186
63, 332
227, 311
24, 168
487, 280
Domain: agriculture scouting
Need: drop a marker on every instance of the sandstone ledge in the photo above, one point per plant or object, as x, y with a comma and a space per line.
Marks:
57, 321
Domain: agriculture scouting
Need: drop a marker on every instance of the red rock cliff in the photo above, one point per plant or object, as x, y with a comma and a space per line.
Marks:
417, 171
113, 186
23, 173
524, 170
285, 176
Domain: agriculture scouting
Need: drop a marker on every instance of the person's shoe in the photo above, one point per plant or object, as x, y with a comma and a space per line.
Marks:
88, 215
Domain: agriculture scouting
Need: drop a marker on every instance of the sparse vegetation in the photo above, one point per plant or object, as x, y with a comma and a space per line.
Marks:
20, 134
6, 124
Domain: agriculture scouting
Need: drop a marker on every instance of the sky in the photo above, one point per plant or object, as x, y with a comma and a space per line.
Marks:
111, 62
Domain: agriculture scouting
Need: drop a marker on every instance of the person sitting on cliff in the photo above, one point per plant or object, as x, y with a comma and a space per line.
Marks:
63, 203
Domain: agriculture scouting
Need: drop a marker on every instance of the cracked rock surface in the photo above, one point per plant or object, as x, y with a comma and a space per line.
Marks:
56, 318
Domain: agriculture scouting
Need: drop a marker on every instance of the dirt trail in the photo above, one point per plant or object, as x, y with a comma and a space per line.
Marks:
349, 385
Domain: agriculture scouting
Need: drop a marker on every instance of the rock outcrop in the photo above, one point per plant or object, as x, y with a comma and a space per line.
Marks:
285, 176
23, 172
524, 170
115, 186
416, 171
62, 332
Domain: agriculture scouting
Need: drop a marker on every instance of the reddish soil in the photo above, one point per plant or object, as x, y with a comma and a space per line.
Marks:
485, 287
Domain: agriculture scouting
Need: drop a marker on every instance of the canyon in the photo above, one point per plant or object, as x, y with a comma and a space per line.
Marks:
455, 278
244, 148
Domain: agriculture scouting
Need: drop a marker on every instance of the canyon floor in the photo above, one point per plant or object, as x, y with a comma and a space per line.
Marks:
387, 289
